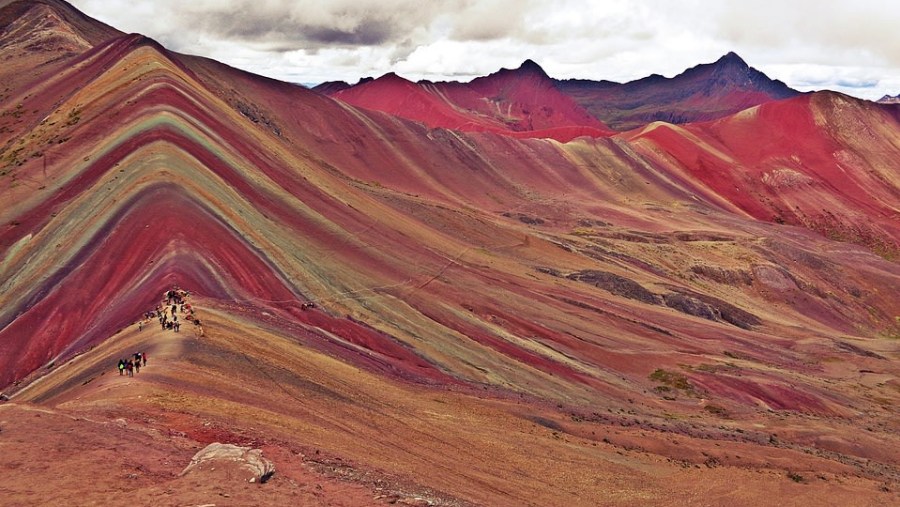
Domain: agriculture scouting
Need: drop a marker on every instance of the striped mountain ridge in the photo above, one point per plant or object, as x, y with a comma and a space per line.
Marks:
177, 141
162, 179
619, 278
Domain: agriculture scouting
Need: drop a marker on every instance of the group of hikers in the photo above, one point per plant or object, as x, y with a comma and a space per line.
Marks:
174, 302
133, 365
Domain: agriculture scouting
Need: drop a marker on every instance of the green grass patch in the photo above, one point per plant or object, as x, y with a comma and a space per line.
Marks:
672, 379
716, 410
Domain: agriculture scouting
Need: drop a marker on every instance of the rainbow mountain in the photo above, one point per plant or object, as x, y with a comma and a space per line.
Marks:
479, 302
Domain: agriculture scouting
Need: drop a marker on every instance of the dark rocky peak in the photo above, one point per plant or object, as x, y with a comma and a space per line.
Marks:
528, 69
529, 66
391, 76
730, 67
331, 87
731, 59
732, 71
391, 79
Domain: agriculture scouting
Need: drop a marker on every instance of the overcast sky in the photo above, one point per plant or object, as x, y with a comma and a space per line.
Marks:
849, 46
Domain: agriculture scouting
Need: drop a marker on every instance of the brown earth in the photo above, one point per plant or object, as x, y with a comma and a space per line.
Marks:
341, 436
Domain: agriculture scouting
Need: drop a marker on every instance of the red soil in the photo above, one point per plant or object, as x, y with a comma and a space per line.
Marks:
521, 103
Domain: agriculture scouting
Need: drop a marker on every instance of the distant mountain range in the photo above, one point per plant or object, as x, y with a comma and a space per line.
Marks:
527, 99
522, 102
702, 93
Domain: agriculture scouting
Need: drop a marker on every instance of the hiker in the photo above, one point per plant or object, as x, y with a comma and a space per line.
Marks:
144, 358
140, 325
129, 367
121, 367
177, 326
137, 363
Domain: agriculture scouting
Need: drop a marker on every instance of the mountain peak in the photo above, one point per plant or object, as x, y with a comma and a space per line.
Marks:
392, 77
704, 92
528, 68
528, 72
731, 58
331, 87
48, 18
530, 64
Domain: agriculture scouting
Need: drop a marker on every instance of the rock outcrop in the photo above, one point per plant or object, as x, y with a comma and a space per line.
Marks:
236, 462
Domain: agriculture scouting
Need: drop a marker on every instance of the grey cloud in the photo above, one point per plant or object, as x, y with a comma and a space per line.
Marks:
490, 20
483, 30
858, 83
278, 33
285, 25
369, 32
832, 31
401, 51
275, 27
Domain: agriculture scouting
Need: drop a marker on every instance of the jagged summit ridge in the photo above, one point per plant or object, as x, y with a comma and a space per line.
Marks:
704, 92
521, 102
528, 72
701, 93
732, 67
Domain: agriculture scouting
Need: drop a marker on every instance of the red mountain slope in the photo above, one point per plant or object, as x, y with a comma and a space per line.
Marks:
43, 35
522, 102
822, 161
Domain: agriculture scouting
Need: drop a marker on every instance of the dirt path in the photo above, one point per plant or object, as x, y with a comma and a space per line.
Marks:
164, 349
84, 428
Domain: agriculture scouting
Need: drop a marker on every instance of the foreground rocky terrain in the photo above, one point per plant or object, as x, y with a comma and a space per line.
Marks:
401, 311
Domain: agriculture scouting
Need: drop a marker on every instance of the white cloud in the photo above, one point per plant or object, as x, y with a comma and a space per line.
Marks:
846, 46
